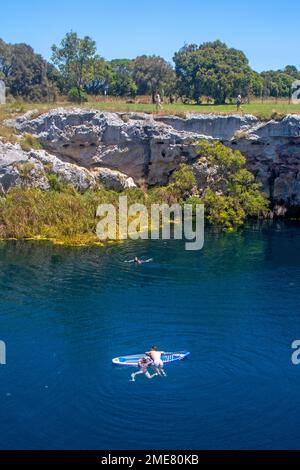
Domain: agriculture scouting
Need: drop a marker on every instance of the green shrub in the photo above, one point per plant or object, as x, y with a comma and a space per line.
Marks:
182, 183
232, 194
77, 96
29, 142
184, 179
64, 214
55, 183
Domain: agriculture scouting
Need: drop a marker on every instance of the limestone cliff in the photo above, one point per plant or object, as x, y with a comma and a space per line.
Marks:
119, 149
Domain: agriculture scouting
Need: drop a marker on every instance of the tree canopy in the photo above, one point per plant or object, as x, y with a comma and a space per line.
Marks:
75, 59
211, 70
279, 82
215, 70
153, 74
26, 74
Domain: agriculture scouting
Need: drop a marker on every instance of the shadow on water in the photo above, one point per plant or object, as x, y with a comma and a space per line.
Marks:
66, 312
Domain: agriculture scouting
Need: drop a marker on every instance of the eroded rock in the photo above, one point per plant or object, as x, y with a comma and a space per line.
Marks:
148, 149
114, 180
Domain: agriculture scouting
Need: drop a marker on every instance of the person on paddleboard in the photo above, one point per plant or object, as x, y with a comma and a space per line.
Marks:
143, 365
158, 364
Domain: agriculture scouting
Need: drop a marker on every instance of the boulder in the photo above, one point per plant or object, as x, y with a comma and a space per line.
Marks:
73, 175
32, 169
114, 180
19, 168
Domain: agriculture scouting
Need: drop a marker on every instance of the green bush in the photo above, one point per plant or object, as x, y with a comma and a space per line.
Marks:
66, 215
182, 183
77, 96
29, 142
184, 179
55, 183
232, 194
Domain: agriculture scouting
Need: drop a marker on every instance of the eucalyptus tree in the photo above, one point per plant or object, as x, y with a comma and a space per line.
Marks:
26, 74
153, 74
215, 70
75, 58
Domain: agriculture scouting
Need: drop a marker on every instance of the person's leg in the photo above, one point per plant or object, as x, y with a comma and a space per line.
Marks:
156, 369
149, 376
134, 374
161, 369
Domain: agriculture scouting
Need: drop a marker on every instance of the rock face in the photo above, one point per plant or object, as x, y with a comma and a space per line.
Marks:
114, 180
17, 168
135, 145
217, 127
121, 149
33, 169
273, 155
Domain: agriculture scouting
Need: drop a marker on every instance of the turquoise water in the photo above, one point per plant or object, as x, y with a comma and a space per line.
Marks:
65, 313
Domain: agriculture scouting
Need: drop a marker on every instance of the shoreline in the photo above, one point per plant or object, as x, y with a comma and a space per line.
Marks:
87, 242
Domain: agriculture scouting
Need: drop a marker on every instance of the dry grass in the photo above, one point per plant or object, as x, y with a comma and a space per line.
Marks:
7, 134
29, 142
263, 110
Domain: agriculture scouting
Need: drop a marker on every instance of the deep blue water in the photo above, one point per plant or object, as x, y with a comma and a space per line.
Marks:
65, 313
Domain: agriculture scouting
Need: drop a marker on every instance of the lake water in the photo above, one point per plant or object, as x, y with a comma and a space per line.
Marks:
65, 313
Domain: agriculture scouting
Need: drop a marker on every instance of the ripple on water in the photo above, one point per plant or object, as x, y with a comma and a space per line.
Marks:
65, 313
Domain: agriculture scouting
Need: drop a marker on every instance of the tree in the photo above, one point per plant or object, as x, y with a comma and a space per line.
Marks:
228, 190
75, 59
292, 71
102, 74
153, 74
215, 70
279, 82
55, 77
6, 61
26, 74
123, 83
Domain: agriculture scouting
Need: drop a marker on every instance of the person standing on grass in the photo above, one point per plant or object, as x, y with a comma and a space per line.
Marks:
238, 103
158, 101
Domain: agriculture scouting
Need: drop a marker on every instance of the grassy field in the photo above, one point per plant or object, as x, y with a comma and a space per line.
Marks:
264, 111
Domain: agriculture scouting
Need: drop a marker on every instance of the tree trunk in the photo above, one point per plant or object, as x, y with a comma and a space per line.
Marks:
79, 94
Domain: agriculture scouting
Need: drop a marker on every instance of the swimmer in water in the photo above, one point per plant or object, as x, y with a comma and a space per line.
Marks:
137, 260
143, 365
158, 364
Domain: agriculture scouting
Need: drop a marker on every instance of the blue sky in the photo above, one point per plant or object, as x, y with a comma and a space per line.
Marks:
267, 31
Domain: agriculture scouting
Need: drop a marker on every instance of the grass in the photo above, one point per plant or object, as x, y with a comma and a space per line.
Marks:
7, 134
29, 142
65, 216
264, 111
